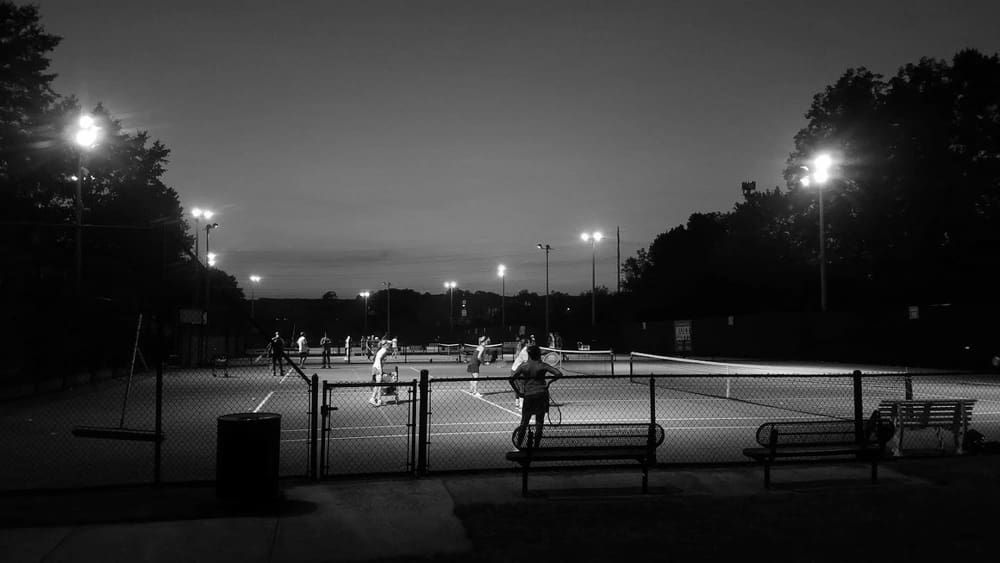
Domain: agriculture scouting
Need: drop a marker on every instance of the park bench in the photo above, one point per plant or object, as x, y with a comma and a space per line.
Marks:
588, 442
952, 415
805, 439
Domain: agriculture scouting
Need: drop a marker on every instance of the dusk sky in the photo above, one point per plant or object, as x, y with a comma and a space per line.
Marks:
344, 144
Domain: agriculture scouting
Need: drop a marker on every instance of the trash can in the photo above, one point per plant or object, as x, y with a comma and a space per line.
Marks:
247, 453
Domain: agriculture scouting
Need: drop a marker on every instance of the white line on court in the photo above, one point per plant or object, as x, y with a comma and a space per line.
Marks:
517, 414
262, 403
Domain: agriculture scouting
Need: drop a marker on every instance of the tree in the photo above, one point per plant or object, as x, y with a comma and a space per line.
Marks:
330, 296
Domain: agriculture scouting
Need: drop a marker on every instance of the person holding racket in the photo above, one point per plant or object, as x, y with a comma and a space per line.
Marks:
520, 358
376, 398
532, 377
474, 362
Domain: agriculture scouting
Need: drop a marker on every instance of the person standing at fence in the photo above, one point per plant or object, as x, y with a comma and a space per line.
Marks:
519, 358
327, 345
395, 347
276, 349
347, 349
303, 349
532, 376
376, 398
474, 362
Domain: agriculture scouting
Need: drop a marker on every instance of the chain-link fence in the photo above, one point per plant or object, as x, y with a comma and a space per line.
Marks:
105, 431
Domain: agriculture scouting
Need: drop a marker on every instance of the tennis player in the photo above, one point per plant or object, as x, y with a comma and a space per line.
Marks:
531, 375
520, 358
474, 362
303, 348
276, 348
376, 398
327, 344
347, 349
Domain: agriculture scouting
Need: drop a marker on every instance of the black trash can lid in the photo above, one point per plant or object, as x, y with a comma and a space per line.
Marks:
249, 416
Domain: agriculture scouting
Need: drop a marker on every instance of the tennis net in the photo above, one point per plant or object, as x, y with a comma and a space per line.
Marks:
580, 362
493, 352
801, 388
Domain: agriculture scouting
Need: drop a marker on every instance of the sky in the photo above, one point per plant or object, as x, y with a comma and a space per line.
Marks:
348, 144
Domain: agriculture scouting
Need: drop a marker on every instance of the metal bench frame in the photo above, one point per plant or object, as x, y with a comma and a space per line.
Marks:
819, 438
940, 414
600, 445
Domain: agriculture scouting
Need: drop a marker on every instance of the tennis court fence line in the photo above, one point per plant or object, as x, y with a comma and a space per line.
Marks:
162, 426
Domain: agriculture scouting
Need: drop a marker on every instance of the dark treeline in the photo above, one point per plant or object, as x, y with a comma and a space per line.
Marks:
912, 206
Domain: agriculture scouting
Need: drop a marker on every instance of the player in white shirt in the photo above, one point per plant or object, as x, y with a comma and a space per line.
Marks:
303, 348
376, 398
347, 349
520, 358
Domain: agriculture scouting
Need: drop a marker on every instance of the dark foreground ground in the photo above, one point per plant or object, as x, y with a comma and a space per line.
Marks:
922, 509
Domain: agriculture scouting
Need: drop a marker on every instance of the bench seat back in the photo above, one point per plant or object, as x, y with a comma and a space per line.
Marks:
641, 434
937, 412
806, 433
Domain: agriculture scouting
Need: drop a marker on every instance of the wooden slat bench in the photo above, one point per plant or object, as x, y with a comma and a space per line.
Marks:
952, 415
817, 439
589, 442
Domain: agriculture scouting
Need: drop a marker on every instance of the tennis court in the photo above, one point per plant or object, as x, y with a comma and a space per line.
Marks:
708, 416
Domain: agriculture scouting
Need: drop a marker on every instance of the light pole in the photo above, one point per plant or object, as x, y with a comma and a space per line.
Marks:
388, 307
198, 214
254, 280
818, 175
366, 295
209, 262
546, 248
450, 286
502, 272
593, 239
85, 137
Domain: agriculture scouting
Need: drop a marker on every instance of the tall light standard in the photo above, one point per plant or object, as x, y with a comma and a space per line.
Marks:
450, 286
593, 239
198, 214
388, 307
818, 175
209, 262
546, 248
86, 136
366, 295
254, 280
502, 272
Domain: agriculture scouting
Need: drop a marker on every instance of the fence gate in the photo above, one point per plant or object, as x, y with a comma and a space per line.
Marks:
359, 437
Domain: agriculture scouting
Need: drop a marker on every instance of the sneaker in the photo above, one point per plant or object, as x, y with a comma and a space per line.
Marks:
477, 395
373, 402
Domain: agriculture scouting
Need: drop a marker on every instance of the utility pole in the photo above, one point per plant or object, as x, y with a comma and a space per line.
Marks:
619, 231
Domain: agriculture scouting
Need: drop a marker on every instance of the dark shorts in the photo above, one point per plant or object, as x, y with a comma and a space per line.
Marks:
536, 404
473, 366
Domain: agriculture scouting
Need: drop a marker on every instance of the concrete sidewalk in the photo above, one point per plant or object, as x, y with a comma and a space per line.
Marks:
697, 514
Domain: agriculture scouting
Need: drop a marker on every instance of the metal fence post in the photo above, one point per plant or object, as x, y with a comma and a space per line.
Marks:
313, 425
859, 420
422, 423
158, 444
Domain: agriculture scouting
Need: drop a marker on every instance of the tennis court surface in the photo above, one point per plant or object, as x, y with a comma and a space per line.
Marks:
710, 410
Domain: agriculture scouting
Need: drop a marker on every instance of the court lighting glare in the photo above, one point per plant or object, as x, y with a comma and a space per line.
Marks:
365, 294
595, 236
818, 174
501, 270
199, 213
255, 279
212, 258
87, 132
450, 285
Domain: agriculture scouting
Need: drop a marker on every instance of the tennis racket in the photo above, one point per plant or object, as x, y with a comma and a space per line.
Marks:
553, 359
554, 416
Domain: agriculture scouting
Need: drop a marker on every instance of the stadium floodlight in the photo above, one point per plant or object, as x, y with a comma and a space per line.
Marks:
198, 213
546, 248
450, 286
212, 258
593, 239
254, 281
817, 175
502, 272
366, 295
85, 137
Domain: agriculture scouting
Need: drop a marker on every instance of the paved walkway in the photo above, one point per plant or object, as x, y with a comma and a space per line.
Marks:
921, 509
